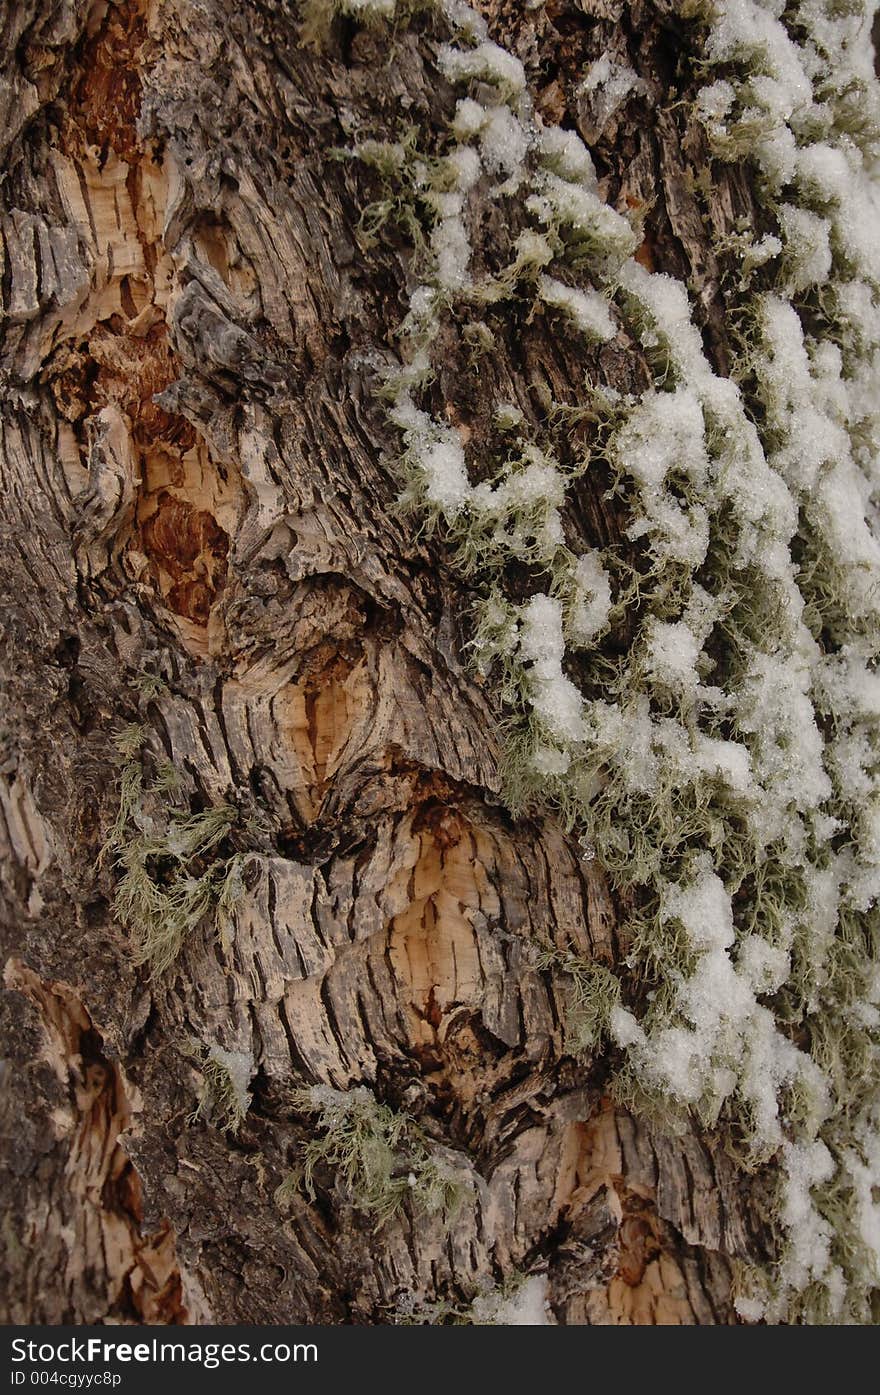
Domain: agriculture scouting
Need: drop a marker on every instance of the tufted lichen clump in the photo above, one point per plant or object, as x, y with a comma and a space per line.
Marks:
224, 1097
171, 875
379, 1158
519, 1300
724, 766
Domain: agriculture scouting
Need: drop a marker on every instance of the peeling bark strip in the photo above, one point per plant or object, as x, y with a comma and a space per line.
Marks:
90, 1215
200, 538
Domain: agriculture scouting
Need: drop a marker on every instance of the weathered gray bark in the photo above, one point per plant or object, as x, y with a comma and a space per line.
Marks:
173, 226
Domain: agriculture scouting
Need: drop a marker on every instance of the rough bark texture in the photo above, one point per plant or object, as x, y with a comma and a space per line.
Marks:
197, 484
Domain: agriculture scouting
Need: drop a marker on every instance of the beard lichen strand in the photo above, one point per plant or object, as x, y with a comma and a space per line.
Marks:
379, 1157
171, 874
224, 1097
746, 809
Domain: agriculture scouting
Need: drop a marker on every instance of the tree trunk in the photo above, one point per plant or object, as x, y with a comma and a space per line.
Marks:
217, 611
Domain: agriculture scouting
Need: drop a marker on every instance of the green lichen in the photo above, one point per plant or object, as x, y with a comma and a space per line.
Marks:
318, 16
171, 876
224, 1098
405, 178
379, 1158
486, 1308
149, 686
592, 992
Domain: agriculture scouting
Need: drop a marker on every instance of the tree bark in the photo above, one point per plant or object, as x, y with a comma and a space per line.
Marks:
200, 538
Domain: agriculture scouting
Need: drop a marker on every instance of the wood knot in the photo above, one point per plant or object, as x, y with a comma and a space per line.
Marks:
444, 824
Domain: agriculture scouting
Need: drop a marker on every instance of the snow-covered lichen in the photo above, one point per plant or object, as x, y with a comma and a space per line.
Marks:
224, 1097
725, 764
520, 1300
318, 15
811, 370
587, 310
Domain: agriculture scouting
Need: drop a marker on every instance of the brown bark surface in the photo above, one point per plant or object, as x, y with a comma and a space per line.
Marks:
197, 487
